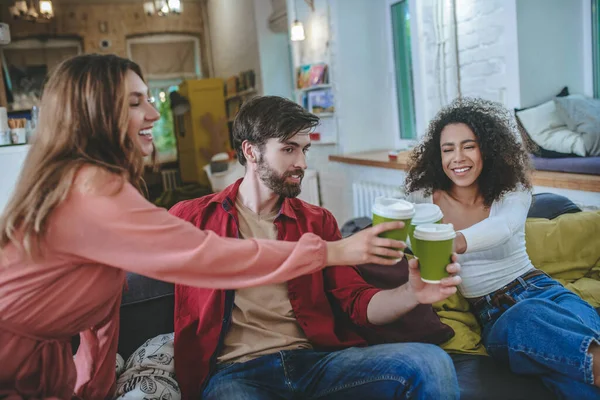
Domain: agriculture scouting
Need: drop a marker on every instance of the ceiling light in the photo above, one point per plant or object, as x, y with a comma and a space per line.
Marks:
297, 31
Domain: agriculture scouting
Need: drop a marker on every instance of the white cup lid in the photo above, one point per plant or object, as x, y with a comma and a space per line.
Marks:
435, 232
389, 207
427, 213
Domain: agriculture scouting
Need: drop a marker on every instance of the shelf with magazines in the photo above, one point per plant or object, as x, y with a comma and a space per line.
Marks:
314, 91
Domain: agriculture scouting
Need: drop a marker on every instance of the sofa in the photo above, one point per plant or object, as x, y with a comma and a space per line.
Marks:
565, 244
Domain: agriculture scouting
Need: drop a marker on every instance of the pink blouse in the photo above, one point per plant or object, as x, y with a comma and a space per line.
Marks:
92, 239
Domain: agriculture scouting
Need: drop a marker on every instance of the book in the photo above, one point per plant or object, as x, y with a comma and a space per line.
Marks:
320, 101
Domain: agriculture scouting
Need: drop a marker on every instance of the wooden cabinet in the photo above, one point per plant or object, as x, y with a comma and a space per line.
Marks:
195, 130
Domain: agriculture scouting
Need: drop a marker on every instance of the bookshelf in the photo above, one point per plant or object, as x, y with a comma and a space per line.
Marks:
314, 91
241, 94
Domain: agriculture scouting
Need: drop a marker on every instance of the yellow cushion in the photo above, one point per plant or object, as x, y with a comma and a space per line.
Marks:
567, 248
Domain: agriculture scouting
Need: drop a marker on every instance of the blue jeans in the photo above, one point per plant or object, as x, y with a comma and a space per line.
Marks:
388, 371
547, 332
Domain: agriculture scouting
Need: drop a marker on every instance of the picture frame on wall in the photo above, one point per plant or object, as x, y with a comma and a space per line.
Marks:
320, 102
312, 75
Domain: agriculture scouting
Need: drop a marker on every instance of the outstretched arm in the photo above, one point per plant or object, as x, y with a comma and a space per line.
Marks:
510, 216
125, 231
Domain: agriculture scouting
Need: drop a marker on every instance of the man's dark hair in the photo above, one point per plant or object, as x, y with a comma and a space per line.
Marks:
506, 164
269, 117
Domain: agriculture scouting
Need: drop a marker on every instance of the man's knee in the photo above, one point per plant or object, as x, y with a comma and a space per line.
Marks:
428, 370
426, 359
414, 362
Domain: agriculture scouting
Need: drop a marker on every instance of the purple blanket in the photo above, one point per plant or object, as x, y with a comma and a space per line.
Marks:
577, 165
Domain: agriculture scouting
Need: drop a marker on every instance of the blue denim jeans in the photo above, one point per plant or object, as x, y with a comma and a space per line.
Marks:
388, 371
547, 332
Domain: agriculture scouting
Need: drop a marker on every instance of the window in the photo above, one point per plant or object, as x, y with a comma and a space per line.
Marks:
166, 60
26, 64
163, 130
596, 45
403, 68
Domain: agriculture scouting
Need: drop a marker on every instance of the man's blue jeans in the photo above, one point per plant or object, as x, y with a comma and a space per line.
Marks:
547, 332
389, 371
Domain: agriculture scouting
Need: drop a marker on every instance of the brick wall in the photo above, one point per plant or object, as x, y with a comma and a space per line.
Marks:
485, 51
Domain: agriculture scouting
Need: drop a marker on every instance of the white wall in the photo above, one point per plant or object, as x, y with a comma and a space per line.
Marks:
234, 39
350, 36
551, 52
362, 77
274, 54
11, 161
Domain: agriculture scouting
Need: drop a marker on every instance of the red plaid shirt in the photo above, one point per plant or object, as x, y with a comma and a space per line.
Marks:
203, 316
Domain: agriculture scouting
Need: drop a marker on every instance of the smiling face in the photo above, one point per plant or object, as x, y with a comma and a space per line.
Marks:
461, 155
142, 113
280, 165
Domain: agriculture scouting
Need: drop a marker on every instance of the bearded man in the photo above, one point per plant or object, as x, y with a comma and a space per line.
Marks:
295, 340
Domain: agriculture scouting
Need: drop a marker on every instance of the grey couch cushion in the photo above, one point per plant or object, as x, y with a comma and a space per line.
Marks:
146, 311
582, 115
550, 206
482, 378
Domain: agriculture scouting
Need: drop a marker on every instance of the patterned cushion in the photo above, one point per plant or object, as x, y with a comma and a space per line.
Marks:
150, 372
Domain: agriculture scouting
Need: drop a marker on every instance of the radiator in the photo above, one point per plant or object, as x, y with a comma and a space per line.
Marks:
364, 194
310, 188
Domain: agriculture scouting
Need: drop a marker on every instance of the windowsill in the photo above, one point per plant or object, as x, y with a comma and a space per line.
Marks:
379, 159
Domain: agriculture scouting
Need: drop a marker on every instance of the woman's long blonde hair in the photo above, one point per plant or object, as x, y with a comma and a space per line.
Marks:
83, 120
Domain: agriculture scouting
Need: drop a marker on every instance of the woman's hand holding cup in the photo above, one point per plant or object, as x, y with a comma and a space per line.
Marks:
367, 247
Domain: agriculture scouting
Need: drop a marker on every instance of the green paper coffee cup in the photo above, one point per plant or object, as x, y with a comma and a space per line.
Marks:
434, 244
387, 209
424, 214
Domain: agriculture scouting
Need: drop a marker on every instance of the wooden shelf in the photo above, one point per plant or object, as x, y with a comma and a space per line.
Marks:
315, 87
241, 94
377, 158
563, 180
587, 183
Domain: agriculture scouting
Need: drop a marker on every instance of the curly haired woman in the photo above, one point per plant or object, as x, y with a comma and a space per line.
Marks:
473, 167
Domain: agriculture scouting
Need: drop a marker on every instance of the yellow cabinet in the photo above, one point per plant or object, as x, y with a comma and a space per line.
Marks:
207, 109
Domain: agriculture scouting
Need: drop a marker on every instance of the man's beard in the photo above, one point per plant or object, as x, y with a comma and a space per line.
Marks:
277, 183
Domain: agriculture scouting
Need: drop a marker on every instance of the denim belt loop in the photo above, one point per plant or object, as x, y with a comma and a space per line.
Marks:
522, 282
488, 299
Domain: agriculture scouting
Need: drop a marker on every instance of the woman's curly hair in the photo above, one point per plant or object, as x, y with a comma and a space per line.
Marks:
506, 164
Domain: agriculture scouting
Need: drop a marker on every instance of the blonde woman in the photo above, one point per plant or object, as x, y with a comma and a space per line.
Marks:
76, 222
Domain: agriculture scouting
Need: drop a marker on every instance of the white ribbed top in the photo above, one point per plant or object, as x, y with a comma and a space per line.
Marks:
496, 253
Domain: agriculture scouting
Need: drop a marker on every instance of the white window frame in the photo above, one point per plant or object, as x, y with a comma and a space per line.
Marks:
418, 79
169, 38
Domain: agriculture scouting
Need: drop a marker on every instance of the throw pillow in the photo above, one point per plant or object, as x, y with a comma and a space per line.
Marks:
150, 372
531, 146
545, 128
421, 324
582, 114
550, 206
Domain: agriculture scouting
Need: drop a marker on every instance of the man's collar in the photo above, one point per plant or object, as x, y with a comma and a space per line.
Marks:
228, 195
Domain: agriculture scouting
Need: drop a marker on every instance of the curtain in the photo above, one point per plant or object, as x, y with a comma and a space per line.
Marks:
166, 60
